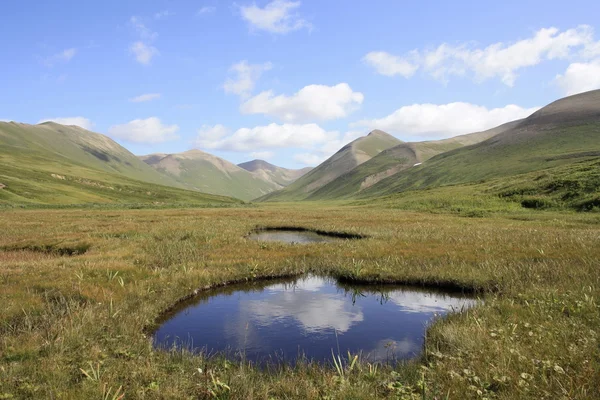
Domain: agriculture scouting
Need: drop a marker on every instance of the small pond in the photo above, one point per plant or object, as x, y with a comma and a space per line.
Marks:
280, 321
291, 236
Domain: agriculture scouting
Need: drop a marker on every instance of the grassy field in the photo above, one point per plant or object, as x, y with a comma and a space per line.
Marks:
80, 291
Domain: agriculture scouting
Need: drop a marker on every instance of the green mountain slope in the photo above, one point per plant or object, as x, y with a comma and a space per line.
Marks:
346, 159
81, 147
272, 173
55, 164
396, 159
207, 173
563, 132
574, 186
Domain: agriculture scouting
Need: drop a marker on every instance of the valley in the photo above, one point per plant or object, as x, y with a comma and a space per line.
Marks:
96, 244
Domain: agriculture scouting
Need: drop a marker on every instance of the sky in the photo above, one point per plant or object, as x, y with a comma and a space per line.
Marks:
289, 81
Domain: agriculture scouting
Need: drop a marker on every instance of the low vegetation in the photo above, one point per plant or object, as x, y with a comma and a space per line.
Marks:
76, 325
572, 187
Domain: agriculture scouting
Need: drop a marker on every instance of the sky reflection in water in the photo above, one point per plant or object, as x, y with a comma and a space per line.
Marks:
288, 236
278, 321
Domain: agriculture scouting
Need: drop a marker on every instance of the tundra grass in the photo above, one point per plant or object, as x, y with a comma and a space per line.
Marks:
74, 325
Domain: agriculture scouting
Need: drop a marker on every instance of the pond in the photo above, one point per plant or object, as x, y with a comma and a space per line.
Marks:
284, 320
291, 236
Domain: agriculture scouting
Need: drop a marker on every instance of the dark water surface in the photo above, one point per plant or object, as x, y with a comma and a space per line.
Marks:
289, 236
278, 321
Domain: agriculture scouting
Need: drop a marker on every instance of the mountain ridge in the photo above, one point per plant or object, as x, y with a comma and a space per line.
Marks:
349, 156
273, 173
208, 173
535, 143
398, 158
51, 163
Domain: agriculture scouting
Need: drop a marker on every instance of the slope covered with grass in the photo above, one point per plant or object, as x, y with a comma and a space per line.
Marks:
272, 173
574, 187
565, 132
54, 143
207, 173
396, 159
346, 159
56, 164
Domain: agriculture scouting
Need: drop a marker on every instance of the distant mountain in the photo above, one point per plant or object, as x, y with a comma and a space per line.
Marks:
207, 173
564, 132
398, 158
272, 173
57, 164
346, 159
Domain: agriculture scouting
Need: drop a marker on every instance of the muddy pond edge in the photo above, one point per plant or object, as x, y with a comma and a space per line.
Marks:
449, 286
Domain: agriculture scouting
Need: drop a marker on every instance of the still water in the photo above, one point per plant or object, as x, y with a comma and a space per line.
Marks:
289, 236
311, 316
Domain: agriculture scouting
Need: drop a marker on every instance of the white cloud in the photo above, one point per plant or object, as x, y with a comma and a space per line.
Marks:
333, 146
580, 77
211, 133
445, 120
327, 149
264, 137
262, 155
78, 121
206, 10
246, 76
592, 50
60, 57
148, 131
310, 159
314, 102
276, 17
315, 312
142, 30
417, 302
145, 97
498, 60
143, 52
163, 14
389, 65
318, 143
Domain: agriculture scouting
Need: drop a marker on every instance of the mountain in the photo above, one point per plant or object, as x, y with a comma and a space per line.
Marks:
398, 158
79, 146
272, 173
566, 131
57, 164
207, 173
346, 159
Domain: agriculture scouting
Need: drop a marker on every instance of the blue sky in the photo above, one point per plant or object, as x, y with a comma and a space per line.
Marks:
290, 81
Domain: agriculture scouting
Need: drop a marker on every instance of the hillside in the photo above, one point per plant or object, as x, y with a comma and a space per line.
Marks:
207, 173
564, 132
56, 164
346, 159
272, 173
396, 159
81, 147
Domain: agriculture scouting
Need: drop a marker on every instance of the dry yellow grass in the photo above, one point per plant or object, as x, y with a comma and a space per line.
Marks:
74, 327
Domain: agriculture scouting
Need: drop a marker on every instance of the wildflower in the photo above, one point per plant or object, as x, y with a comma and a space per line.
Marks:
559, 369
525, 376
